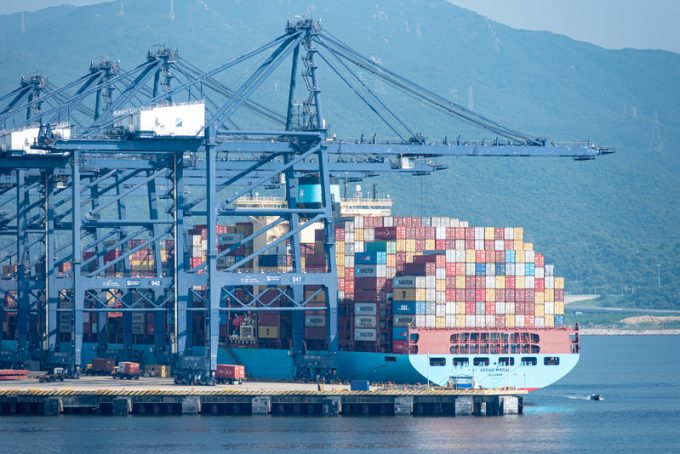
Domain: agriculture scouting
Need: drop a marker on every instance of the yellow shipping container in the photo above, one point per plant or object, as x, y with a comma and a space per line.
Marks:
528, 246
518, 233
410, 245
391, 260
489, 233
404, 294
268, 332
460, 321
460, 307
429, 245
549, 295
559, 307
520, 282
401, 245
340, 246
539, 311
539, 297
491, 294
500, 281
358, 234
421, 294
549, 321
510, 321
460, 282
470, 256
519, 255
559, 282
440, 322
440, 285
409, 256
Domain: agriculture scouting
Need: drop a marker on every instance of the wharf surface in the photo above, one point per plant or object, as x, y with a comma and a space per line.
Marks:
154, 396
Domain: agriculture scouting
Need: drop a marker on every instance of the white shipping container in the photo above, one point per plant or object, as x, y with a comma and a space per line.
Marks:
450, 321
490, 282
420, 282
549, 270
479, 244
450, 256
549, 282
529, 256
479, 235
440, 297
420, 320
509, 233
430, 321
529, 282
500, 308
460, 246
539, 322
480, 321
430, 282
440, 310
364, 321
440, 273
519, 320
539, 271
450, 308
470, 321
365, 334
499, 245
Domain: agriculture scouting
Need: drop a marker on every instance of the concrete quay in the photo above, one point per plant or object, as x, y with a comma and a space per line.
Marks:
101, 395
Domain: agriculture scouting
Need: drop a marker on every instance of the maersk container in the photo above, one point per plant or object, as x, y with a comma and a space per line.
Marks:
309, 191
399, 333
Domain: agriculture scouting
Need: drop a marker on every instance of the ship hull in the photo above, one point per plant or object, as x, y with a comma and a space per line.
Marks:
273, 364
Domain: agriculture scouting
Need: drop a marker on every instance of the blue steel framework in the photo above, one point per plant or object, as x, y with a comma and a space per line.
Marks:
70, 201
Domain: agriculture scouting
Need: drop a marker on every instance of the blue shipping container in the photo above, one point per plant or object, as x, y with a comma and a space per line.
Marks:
500, 269
529, 269
510, 256
480, 269
370, 258
399, 333
404, 307
559, 320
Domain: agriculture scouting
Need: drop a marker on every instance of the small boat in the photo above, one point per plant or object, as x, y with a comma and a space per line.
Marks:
596, 397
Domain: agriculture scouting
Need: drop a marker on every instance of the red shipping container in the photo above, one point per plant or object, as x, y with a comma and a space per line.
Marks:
530, 308
539, 260
469, 244
480, 256
389, 285
425, 259
539, 284
480, 281
429, 232
369, 283
195, 261
470, 233
401, 232
509, 244
460, 233
500, 321
460, 295
450, 295
509, 281
230, 372
499, 233
460, 269
529, 320
489, 245
470, 307
315, 332
490, 308
470, 282
500, 256
441, 261
385, 233
520, 295
529, 295
450, 282
451, 269
470, 295
399, 346
559, 294
480, 294
509, 294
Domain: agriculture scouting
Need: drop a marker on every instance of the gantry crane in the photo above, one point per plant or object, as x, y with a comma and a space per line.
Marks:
92, 193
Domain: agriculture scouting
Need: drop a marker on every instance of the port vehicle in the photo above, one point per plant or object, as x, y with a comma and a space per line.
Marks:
57, 374
100, 366
230, 373
127, 370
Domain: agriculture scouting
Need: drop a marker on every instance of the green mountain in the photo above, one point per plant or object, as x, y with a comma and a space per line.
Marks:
606, 224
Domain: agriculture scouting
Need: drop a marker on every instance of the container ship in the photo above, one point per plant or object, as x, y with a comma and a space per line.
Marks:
421, 300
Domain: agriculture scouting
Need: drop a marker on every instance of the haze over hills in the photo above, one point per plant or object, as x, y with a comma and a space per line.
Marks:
605, 223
